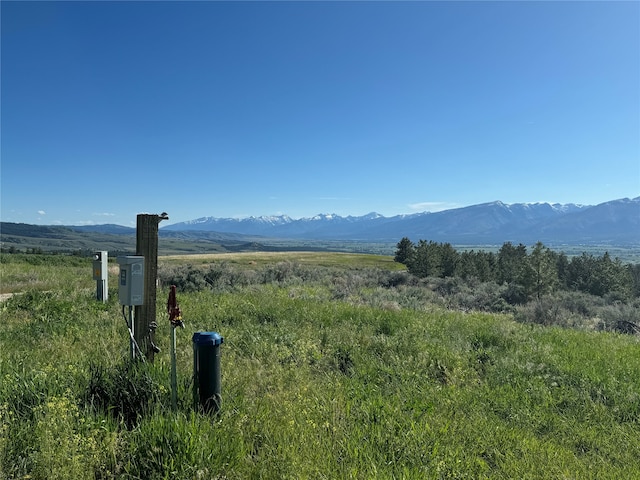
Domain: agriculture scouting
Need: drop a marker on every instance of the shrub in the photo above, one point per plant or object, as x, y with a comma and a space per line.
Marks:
186, 278
544, 311
486, 297
620, 318
515, 294
396, 279
222, 277
580, 303
281, 272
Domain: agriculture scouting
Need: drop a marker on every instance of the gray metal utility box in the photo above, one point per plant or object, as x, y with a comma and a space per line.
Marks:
131, 280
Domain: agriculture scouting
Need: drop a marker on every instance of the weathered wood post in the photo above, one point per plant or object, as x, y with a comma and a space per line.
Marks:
145, 314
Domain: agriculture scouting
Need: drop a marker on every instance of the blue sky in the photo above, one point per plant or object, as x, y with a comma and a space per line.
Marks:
110, 109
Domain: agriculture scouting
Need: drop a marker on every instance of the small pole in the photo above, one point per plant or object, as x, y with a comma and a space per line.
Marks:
100, 275
174, 379
175, 318
132, 341
133, 345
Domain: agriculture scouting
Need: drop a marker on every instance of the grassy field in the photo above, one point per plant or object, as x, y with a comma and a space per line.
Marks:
315, 385
259, 259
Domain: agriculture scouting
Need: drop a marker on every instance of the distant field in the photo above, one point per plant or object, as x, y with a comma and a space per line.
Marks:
324, 259
627, 254
630, 254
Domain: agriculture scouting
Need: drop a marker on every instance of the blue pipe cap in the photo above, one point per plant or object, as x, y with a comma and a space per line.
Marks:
207, 338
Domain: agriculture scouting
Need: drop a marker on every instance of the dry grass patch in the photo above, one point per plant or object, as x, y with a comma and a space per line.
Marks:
325, 259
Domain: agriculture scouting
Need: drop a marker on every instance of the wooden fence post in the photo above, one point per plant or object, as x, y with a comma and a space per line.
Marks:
145, 314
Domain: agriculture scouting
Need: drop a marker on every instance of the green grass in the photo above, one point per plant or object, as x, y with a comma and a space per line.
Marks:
312, 388
20, 272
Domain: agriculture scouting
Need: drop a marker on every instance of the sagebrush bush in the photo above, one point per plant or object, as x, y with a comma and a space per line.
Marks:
396, 279
287, 273
186, 278
222, 277
543, 311
485, 297
620, 318
583, 304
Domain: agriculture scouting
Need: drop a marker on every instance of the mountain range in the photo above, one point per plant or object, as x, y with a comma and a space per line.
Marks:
614, 222
610, 224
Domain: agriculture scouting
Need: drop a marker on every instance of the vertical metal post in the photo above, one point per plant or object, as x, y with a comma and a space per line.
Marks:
102, 291
175, 319
101, 275
174, 379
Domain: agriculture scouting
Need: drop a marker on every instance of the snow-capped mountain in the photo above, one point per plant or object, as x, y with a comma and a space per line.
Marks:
617, 221
249, 226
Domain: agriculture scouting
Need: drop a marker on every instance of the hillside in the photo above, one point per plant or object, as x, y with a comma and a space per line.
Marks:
333, 372
23, 237
120, 240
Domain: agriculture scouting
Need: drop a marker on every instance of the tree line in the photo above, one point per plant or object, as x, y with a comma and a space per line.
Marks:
528, 274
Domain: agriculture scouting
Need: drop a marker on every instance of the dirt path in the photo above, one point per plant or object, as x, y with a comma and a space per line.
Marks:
5, 296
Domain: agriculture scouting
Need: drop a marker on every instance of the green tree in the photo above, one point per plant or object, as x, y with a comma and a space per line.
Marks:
448, 260
600, 276
479, 265
513, 269
580, 272
542, 274
562, 268
613, 278
634, 274
466, 267
485, 265
512, 262
404, 251
425, 261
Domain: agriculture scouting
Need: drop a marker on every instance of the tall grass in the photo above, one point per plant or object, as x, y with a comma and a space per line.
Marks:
319, 381
19, 272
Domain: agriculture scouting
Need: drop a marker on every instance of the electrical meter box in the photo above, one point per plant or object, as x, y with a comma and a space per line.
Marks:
131, 280
100, 269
